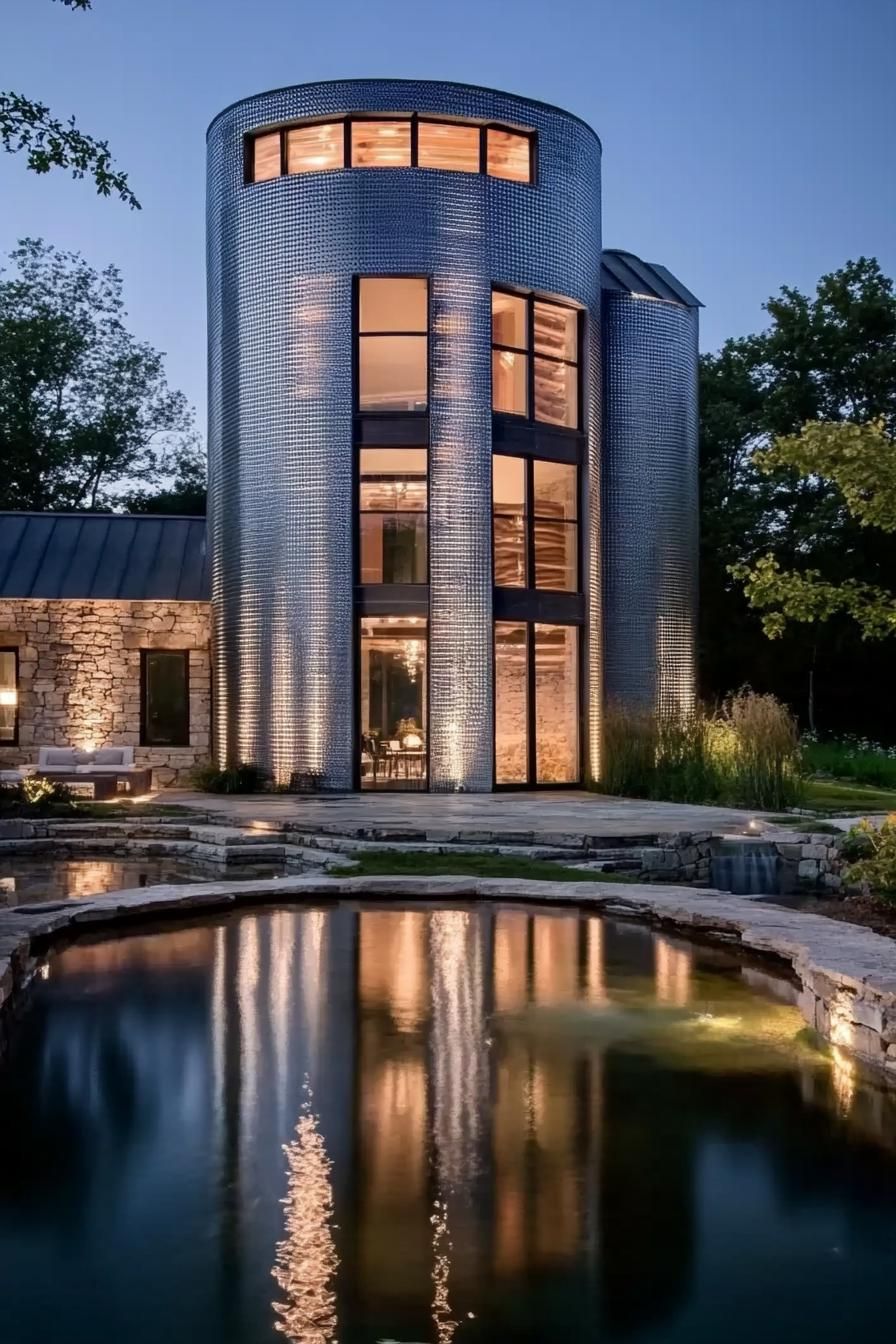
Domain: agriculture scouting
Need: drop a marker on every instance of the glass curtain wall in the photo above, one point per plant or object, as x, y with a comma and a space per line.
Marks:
393, 685
392, 343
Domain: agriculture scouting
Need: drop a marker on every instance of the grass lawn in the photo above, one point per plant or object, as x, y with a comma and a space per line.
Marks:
397, 864
836, 795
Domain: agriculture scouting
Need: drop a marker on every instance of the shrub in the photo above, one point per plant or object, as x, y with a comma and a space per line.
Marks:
876, 871
246, 777
34, 797
747, 753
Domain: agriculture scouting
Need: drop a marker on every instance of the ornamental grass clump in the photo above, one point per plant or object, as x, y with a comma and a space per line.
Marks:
762, 751
745, 754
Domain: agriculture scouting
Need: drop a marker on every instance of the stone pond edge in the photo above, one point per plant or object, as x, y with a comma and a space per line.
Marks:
847, 973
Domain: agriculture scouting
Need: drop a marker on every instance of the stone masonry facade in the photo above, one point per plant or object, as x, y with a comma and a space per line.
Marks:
79, 676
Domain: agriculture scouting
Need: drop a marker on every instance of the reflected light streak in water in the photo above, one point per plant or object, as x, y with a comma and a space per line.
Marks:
283, 940
306, 1261
441, 1269
247, 1000
673, 972
459, 1051
313, 982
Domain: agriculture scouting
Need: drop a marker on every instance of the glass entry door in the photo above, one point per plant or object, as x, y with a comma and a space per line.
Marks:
393, 711
536, 704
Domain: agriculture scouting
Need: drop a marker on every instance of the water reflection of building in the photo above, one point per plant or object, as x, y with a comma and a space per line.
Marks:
458, 1072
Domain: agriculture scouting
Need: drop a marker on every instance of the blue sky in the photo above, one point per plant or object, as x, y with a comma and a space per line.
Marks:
747, 143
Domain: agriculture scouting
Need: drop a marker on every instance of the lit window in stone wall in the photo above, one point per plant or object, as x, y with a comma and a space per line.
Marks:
165, 698
9, 695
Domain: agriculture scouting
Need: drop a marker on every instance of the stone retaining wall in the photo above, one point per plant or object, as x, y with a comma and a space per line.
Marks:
79, 676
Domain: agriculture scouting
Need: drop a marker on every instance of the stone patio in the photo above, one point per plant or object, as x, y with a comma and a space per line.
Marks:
529, 818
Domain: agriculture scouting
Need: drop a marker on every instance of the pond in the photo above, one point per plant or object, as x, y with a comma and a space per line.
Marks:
26, 878
415, 1124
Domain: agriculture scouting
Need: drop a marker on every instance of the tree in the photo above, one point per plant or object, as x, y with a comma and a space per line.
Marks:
86, 415
860, 461
48, 143
829, 357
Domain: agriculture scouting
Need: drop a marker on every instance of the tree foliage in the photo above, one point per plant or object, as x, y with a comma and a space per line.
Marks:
771, 494
86, 414
29, 127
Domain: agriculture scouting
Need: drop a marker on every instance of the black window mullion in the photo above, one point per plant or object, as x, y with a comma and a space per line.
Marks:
530, 703
530, 369
284, 153
483, 149
415, 140
347, 143
528, 505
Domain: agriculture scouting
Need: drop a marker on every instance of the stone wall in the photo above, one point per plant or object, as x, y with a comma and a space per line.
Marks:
79, 676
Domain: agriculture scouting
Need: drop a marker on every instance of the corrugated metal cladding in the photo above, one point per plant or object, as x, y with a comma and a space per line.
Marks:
131, 557
281, 258
650, 500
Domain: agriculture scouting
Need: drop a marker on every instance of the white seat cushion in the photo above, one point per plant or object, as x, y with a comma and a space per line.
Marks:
120, 756
110, 769
58, 758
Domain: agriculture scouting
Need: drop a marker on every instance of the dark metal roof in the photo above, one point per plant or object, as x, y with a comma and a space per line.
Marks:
625, 271
103, 555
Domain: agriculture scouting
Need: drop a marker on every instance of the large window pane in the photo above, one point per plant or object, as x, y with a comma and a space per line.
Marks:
393, 723
393, 548
509, 507
266, 157
556, 330
311, 149
9, 694
556, 704
381, 144
509, 382
166, 702
555, 490
509, 155
392, 373
508, 484
511, 707
509, 319
510, 552
556, 555
393, 303
556, 393
441, 145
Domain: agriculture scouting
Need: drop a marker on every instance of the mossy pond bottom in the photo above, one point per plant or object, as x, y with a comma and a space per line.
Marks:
384, 1123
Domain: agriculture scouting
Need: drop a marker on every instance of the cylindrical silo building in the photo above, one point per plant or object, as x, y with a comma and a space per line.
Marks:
405, 443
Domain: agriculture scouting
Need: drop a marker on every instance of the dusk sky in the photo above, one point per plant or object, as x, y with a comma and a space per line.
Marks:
747, 143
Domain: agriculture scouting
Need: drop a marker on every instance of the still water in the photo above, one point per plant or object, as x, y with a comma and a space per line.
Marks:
489, 1124
26, 879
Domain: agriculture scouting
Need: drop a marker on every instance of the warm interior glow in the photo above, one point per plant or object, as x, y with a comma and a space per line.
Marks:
266, 157
312, 149
509, 155
509, 318
9, 695
449, 146
394, 702
393, 522
381, 144
511, 702
509, 383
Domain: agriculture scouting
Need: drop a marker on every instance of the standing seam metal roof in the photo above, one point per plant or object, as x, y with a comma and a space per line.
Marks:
624, 271
130, 557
